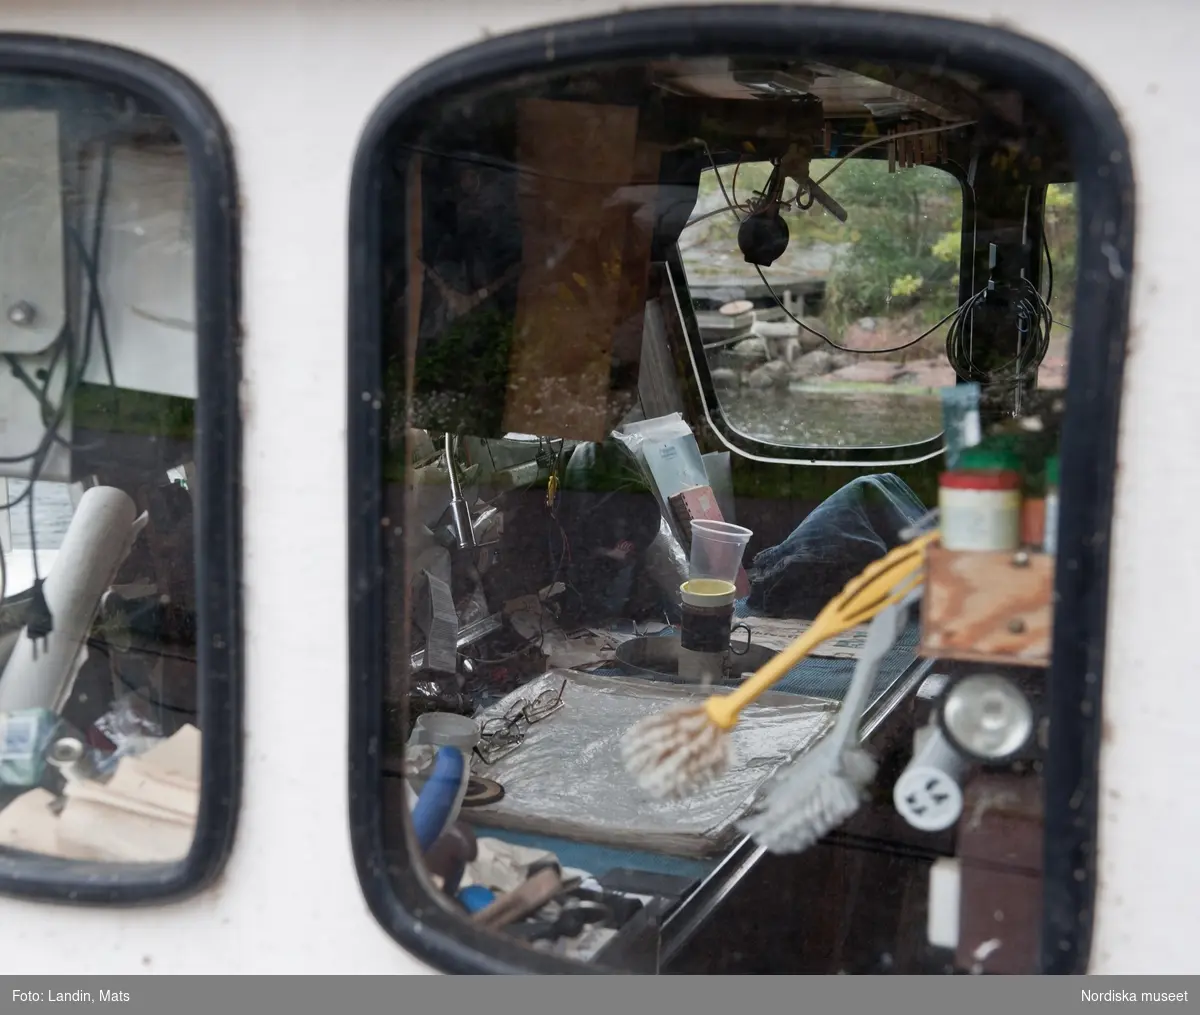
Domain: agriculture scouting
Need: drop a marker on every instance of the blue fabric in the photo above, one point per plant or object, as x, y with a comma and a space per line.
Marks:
476, 897
850, 529
815, 676
598, 860
830, 678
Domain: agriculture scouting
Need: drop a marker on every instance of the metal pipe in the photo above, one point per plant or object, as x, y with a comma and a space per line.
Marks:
460, 514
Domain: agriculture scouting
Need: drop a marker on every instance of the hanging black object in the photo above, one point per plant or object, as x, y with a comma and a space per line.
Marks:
763, 237
38, 621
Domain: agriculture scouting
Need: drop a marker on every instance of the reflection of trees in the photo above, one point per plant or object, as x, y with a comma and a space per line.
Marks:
896, 254
1062, 224
904, 251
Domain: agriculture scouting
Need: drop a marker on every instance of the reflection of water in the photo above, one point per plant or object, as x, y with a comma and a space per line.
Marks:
831, 419
51, 514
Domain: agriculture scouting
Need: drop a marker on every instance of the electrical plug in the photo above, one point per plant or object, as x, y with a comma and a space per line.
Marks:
928, 794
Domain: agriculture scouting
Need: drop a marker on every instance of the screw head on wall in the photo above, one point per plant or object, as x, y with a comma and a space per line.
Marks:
22, 314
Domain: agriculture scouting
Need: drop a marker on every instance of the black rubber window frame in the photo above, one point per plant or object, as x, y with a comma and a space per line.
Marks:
1103, 170
218, 464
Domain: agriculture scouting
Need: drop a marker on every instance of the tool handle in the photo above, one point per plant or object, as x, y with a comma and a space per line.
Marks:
723, 709
526, 898
885, 629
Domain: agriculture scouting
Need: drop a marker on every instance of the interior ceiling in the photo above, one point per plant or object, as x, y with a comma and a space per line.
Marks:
844, 93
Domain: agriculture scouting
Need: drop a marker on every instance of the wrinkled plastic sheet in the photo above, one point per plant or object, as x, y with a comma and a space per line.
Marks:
567, 779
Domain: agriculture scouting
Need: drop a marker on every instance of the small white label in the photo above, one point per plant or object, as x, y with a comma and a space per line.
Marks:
972, 431
1050, 541
980, 520
17, 737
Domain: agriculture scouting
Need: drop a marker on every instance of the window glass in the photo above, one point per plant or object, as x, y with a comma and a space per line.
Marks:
1059, 271
837, 343
595, 507
100, 731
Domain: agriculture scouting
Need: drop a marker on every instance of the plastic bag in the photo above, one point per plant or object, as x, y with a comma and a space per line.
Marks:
567, 779
129, 726
666, 564
25, 736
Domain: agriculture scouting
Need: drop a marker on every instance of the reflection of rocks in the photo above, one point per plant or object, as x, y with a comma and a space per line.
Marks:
866, 334
876, 334
927, 374
820, 362
787, 339
778, 354
774, 374
725, 378
752, 350
791, 350
872, 371
1053, 372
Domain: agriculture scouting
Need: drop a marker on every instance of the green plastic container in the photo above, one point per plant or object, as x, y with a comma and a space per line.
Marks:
988, 457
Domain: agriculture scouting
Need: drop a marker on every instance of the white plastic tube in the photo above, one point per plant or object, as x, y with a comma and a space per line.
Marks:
99, 539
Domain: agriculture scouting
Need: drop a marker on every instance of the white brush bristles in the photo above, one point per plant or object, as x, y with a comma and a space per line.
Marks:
806, 802
676, 752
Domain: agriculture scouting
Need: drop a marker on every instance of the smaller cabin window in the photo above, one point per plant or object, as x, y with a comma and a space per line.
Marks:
656, 350
118, 493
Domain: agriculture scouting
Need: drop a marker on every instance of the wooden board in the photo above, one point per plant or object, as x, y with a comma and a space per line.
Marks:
988, 607
587, 186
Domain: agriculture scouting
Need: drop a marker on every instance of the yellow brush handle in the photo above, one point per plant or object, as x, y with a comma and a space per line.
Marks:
882, 583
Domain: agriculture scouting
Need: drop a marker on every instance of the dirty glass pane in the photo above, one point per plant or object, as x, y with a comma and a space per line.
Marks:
573, 543
99, 733
850, 354
1058, 261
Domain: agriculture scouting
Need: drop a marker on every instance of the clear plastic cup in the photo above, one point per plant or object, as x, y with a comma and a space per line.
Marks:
446, 729
717, 549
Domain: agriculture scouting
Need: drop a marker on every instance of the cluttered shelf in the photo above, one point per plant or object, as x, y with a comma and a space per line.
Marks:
648, 607
659, 704
556, 791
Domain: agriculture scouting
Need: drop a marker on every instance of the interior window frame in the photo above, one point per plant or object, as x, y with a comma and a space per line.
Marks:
738, 442
217, 463
1100, 152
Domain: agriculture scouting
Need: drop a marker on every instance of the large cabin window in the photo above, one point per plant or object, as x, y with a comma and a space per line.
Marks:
719, 519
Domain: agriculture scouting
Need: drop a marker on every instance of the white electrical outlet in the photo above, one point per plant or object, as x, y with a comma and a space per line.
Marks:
928, 794
928, 798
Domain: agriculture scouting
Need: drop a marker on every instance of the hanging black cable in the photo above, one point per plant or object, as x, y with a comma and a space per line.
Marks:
39, 622
845, 348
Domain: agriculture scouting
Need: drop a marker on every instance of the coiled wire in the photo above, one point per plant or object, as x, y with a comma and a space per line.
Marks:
1033, 326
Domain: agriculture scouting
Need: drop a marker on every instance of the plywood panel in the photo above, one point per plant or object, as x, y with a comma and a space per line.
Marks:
988, 607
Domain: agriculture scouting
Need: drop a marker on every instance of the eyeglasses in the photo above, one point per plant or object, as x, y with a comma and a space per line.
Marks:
503, 734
